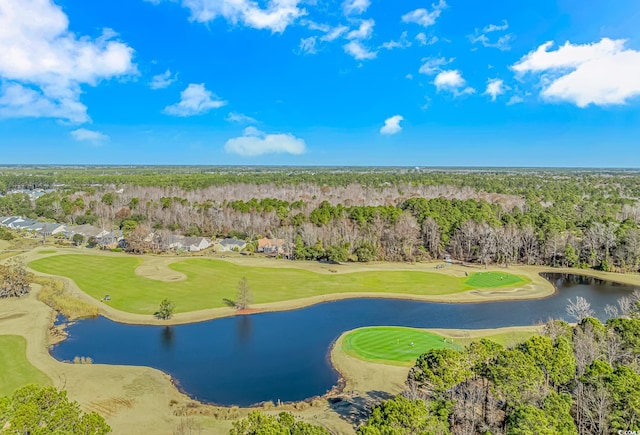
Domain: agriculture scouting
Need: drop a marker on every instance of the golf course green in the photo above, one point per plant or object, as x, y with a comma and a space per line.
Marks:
208, 282
392, 345
493, 280
15, 370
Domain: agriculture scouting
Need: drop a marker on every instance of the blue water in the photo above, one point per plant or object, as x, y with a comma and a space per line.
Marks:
284, 356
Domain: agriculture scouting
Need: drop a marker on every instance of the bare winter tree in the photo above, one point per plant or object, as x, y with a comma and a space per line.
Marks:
431, 237
487, 243
243, 295
595, 408
529, 245
579, 309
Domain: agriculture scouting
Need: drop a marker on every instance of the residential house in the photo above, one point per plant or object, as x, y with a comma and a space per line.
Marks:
110, 240
40, 228
85, 230
229, 244
271, 246
166, 242
170, 242
194, 244
46, 228
18, 222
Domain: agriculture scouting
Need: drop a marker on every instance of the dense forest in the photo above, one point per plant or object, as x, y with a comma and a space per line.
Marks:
575, 218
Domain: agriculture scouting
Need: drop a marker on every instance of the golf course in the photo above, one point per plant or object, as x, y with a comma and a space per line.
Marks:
198, 284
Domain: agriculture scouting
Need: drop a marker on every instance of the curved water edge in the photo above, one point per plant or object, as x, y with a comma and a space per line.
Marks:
244, 360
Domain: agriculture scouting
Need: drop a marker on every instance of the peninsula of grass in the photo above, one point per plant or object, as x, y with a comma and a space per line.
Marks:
208, 282
392, 345
396, 345
494, 280
15, 370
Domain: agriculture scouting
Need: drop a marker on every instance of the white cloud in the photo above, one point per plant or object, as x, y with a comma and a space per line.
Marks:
312, 25
501, 43
403, 42
432, 65
276, 16
496, 27
601, 73
84, 135
254, 142
359, 51
392, 125
240, 118
163, 80
495, 87
514, 100
452, 81
43, 66
355, 6
364, 31
308, 45
423, 17
423, 40
334, 33
17, 101
194, 100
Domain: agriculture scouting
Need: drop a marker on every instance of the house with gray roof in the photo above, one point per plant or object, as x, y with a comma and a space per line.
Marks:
194, 244
229, 244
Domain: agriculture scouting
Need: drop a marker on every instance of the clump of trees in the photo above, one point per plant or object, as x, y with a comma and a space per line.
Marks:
282, 424
14, 280
571, 380
41, 410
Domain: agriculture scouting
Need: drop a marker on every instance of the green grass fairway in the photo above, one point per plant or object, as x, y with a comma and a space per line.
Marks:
210, 281
493, 280
391, 345
15, 370
47, 251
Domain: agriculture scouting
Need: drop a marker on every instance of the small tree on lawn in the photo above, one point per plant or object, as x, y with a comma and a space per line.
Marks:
166, 310
243, 296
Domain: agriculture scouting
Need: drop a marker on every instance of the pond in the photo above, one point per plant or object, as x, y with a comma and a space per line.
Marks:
245, 360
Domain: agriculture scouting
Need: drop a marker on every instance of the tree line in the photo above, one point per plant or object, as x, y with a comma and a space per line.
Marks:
573, 219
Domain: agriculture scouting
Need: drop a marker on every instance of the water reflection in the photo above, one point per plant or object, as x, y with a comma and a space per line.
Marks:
167, 337
243, 328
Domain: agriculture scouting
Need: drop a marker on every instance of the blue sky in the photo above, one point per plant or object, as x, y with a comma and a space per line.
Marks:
354, 82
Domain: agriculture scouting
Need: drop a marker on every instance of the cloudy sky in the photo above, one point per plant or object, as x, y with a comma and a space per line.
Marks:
354, 82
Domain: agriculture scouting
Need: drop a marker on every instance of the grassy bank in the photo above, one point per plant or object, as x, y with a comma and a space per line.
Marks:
208, 282
15, 370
